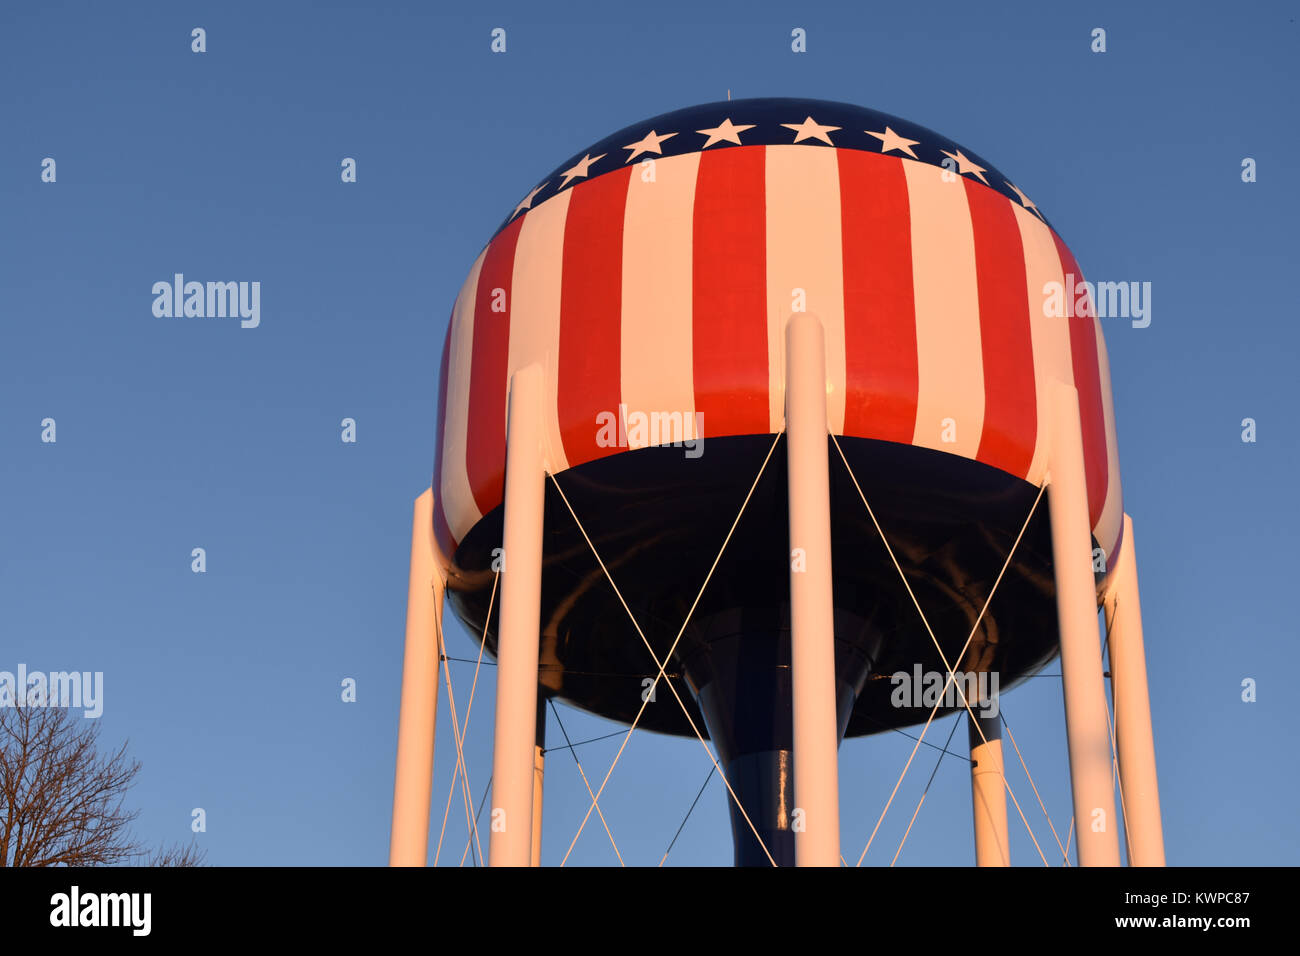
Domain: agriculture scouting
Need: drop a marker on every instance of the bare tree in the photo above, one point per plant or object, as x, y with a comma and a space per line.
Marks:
62, 801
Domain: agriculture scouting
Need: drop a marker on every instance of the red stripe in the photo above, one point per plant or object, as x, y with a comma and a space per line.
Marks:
1087, 379
881, 381
729, 299
441, 531
1010, 412
591, 308
485, 443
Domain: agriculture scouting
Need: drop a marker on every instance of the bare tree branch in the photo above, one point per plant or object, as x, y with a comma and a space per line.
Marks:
62, 802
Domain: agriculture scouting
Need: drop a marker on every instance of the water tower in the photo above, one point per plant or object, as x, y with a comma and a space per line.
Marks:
758, 405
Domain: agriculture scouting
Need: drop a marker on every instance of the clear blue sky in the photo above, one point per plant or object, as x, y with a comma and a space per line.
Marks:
174, 435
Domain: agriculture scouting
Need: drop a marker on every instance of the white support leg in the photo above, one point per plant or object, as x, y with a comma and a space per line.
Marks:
1134, 742
988, 792
816, 767
517, 642
1086, 723
539, 772
417, 723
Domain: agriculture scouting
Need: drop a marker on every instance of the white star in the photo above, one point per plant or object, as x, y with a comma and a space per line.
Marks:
726, 132
891, 140
648, 145
580, 168
964, 165
1024, 200
527, 202
810, 129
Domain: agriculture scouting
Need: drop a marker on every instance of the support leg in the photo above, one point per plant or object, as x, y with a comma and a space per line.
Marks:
521, 592
816, 737
1086, 723
412, 786
1134, 741
539, 769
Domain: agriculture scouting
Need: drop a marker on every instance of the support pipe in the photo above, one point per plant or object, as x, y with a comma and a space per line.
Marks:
417, 723
812, 619
988, 791
1086, 723
1134, 742
514, 749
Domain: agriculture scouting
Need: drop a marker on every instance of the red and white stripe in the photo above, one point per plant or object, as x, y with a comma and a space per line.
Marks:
670, 294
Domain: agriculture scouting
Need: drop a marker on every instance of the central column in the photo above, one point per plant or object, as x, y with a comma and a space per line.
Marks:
988, 791
742, 683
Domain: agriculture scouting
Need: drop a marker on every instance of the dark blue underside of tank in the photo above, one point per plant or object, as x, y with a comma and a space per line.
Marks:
659, 518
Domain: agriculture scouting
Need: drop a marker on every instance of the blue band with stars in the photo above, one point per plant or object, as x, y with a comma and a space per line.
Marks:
768, 122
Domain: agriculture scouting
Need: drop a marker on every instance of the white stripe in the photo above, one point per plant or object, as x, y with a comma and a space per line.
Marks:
535, 310
1112, 510
804, 251
950, 364
656, 343
457, 497
1050, 335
